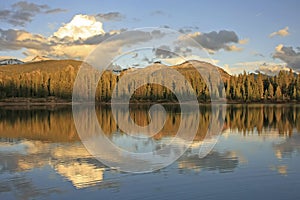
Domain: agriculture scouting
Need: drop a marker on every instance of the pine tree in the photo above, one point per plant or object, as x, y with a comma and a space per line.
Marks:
260, 85
278, 94
271, 91
294, 96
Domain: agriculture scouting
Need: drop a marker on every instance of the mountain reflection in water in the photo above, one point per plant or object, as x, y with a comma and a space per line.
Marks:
41, 153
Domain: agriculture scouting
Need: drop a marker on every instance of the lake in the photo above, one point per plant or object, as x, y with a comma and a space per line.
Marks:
255, 156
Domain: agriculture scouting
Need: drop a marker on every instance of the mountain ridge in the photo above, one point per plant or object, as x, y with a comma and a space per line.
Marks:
11, 61
55, 78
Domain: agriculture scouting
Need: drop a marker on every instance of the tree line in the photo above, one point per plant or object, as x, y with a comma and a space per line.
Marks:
258, 87
245, 87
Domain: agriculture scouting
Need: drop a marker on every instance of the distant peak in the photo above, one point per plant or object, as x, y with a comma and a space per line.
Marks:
39, 58
11, 61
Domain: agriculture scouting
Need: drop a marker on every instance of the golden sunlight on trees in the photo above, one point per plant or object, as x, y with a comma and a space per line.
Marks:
56, 79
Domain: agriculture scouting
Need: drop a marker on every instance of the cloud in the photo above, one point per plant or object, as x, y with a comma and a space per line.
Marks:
256, 63
289, 56
213, 41
30, 7
244, 41
282, 32
55, 10
164, 52
17, 39
185, 30
278, 48
188, 29
81, 26
269, 68
22, 12
82, 47
75, 39
111, 16
233, 48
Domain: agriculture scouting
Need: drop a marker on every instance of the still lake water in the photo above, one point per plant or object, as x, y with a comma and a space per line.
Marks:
257, 156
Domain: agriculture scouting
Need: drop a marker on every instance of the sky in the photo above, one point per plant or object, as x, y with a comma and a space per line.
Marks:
237, 35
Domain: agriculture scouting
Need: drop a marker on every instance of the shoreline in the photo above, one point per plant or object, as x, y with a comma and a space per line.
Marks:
52, 101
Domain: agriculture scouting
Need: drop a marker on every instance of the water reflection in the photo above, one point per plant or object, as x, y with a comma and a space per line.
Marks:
42, 144
287, 148
222, 162
263, 118
22, 187
70, 160
281, 169
135, 151
57, 124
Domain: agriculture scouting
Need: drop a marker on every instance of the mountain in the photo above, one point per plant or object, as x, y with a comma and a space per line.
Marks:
42, 63
202, 67
56, 78
191, 68
39, 58
11, 62
47, 66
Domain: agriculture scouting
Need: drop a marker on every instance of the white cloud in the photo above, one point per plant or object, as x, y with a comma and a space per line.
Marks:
81, 26
282, 32
278, 48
